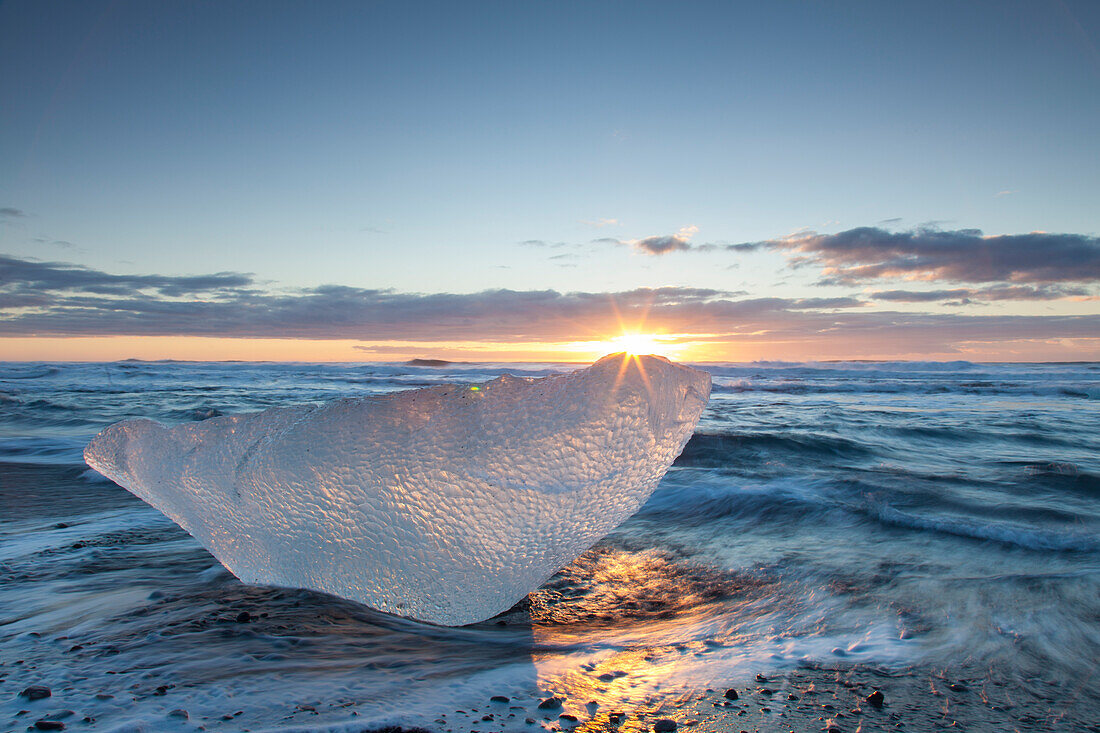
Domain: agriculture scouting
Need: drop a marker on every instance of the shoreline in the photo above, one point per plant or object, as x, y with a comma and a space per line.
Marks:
833, 698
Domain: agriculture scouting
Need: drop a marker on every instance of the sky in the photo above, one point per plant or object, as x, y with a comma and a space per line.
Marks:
360, 181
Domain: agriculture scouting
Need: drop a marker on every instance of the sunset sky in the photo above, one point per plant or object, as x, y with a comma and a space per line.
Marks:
383, 180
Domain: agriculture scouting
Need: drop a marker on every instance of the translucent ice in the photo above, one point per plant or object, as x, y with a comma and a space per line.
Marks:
447, 504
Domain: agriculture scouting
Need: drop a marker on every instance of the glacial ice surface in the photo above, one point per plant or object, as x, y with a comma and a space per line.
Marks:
446, 504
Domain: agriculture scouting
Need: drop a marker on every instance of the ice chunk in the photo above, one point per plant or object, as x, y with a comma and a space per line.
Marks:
447, 504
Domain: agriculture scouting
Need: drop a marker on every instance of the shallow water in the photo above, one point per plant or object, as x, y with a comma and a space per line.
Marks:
891, 514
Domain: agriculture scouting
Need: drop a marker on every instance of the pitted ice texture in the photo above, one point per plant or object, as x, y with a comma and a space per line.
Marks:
446, 504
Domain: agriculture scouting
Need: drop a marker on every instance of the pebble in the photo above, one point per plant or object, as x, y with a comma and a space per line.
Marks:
244, 617
36, 692
499, 698
49, 725
664, 725
549, 703
731, 694
179, 713
876, 698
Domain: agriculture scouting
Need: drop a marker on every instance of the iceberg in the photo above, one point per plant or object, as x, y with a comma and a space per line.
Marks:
446, 504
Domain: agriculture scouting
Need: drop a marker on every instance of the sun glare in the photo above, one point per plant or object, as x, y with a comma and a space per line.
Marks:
639, 344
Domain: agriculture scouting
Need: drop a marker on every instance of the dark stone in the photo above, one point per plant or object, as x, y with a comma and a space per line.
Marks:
244, 617
549, 703
162, 690
499, 698
487, 717
761, 678
61, 525
568, 717
876, 698
49, 725
664, 725
731, 694
764, 691
529, 721
179, 713
36, 692
958, 687
606, 677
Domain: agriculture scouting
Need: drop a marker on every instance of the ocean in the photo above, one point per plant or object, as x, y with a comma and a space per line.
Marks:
890, 515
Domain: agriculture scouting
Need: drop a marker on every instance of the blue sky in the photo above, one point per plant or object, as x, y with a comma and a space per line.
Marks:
423, 147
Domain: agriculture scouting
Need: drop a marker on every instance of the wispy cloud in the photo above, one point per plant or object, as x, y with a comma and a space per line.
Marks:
9, 212
967, 295
31, 276
601, 223
542, 243
54, 242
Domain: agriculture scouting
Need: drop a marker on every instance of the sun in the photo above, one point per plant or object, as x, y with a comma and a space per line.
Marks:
639, 344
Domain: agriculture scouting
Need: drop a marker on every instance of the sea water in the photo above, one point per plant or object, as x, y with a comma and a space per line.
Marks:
883, 513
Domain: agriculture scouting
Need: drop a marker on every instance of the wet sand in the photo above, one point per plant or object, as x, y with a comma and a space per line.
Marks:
839, 699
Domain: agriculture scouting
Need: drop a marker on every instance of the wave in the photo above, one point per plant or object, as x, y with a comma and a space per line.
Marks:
52, 450
696, 498
1005, 533
717, 449
740, 385
28, 371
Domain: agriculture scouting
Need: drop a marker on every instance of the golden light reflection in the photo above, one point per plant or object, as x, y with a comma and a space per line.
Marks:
623, 632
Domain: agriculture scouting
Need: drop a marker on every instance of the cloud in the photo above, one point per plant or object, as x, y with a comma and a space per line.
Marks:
1003, 292
30, 276
9, 212
662, 244
961, 255
601, 223
55, 242
58, 299
541, 243
804, 303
